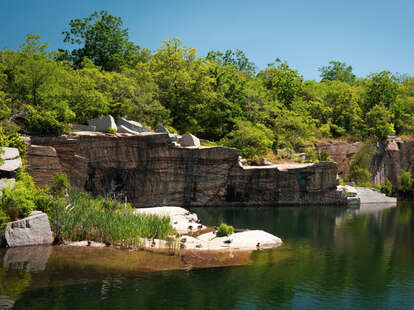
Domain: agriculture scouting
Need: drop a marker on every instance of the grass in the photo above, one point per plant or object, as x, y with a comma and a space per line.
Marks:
106, 220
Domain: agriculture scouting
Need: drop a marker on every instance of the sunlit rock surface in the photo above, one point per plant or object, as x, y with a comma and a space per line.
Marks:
150, 170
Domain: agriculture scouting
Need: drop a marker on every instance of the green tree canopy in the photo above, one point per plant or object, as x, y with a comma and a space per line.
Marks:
102, 39
337, 71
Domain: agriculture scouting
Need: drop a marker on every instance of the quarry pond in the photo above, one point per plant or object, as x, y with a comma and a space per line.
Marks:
332, 258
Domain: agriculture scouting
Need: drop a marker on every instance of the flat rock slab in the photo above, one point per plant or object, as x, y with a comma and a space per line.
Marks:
182, 220
11, 165
368, 195
9, 153
32, 230
246, 240
123, 129
131, 125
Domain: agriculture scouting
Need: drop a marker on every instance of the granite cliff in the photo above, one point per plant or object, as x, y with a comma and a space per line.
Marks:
150, 170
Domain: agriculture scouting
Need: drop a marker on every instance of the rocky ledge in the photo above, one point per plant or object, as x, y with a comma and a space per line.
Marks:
152, 169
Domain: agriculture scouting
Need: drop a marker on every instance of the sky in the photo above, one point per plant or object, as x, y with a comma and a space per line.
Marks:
371, 36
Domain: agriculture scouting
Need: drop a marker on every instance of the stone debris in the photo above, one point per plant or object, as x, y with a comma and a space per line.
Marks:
189, 140
32, 230
123, 129
103, 124
131, 125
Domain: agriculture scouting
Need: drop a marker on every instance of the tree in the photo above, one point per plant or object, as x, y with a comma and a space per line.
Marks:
379, 122
103, 40
284, 83
237, 59
337, 71
382, 89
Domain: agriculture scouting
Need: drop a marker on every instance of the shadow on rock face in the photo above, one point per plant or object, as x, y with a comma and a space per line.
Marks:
32, 258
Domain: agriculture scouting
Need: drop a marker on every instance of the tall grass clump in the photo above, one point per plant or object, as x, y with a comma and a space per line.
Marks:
106, 220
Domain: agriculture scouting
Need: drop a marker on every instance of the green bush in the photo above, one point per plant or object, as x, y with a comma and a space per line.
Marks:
359, 169
253, 140
112, 131
406, 182
224, 230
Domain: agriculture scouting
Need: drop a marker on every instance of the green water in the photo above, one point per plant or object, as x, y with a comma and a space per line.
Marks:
332, 259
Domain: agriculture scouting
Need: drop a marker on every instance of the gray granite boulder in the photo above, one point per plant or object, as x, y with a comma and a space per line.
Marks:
189, 140
11, 165
123, 129
103, 124
32, 230
131, 125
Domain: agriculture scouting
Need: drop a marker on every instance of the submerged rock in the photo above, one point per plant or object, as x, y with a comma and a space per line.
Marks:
32, 230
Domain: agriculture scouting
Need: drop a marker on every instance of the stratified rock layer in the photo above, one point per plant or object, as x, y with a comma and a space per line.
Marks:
149, 170
43, 163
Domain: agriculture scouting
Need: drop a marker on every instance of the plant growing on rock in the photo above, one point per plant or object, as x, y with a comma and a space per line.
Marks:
224, 230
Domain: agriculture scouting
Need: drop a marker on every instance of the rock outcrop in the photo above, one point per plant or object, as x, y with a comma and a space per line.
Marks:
341, 152
11, 161
149, 170
42, 163
32, 230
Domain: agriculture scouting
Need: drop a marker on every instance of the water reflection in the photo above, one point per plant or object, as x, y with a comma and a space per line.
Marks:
361, 261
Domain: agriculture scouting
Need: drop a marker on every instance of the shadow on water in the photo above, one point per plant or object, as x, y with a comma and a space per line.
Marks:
332, 258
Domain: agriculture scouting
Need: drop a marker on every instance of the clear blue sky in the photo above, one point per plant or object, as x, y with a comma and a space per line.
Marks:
369, 35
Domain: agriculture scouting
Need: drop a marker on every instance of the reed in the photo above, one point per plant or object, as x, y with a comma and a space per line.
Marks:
106, 220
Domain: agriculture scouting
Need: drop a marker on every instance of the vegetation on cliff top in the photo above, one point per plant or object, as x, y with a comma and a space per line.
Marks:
220, 97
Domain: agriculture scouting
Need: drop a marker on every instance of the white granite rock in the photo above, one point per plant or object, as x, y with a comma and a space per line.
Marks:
103, 124
11, 165
9, 153
32, 230
131, 125
189, 140
123, 129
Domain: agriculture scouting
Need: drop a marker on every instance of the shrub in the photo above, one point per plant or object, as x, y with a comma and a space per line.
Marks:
224, 230
359, 169
406, 182
112, 131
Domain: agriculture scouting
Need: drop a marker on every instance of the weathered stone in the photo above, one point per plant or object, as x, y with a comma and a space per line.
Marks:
9, 153
189, 140
264, 162
123, 129
79, 127
11, 165
341, 153
103, 124
173, 137
42, 164
132, 125
151, 171
32, 230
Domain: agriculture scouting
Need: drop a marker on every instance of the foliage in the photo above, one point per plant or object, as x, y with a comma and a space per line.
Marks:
359, 169
100, 219
103, 40
379, 122
252, 140
406, 186
337, 71
112, 131
387, 187
312, 155
224, 230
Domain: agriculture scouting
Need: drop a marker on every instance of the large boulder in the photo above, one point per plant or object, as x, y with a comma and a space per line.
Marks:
9, 153
189, 140
103, 124
131, 125
32, 230
123, 129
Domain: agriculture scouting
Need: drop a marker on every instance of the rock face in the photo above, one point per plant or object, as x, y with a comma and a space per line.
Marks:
341, 153
32, 230
103, 124
42, 163
151, 171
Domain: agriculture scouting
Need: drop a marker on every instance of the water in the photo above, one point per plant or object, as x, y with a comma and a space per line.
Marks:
332, 259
